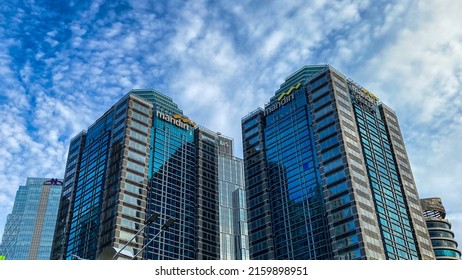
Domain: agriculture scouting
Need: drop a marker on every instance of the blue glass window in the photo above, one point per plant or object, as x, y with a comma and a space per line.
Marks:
331, 153
335, 176
338, 188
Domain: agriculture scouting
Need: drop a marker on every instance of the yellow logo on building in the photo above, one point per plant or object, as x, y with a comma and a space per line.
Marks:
287, 93
368, 93
282, 100
183, 119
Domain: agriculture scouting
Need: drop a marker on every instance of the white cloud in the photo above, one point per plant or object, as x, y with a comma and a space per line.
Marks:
114, 30
188, 25
272, 43
129, 42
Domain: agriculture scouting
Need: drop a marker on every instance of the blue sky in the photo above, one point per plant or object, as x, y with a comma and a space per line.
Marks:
64, 63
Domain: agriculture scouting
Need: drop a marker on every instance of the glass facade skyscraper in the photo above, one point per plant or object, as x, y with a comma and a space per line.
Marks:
123, 168
208, 235
141, 157
328, 176
67, 196
234, 242
30, 227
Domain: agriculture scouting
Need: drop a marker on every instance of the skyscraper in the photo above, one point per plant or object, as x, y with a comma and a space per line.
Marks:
30, 227
67, 197
221, 174
439, 228
327, 175
208, 235
234, 242
141, 157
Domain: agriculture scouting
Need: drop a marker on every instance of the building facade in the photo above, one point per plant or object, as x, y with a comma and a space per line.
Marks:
234, 241
67, 197
221, 175
30, 227
327, 175
140, 158
442, 237
208, 235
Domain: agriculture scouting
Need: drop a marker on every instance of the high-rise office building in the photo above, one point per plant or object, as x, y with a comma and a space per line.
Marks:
221, 175
208, 235
30, 227
67, 197
327, 175
234, 241
439, 228
141, 157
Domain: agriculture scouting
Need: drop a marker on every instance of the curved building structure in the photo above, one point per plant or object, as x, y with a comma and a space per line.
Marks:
439, 228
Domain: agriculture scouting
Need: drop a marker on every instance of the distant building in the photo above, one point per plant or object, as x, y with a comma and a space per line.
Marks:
439, 228
234, 239
30, 227
327, 174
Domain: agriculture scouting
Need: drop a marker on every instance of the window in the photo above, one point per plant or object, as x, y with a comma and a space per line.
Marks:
333, 164
341, 229
135, 166
131, 200
252, 140
138, 136
319, 81
348, 241
137, 146
129, 224
135, 178
322, 101
249, 123
325, 121
141, 108
126, 235
340, 215
350, 255
345, 199
323, 111
140, 117
251, 132
335, 176
140, 127
438, 225
132, 188
330, 153
338, 188
136, 156
447, 253
130, 212
327, 131
440, 234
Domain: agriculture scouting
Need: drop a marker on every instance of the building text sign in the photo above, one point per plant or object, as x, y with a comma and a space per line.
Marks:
177, 120
283, 99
